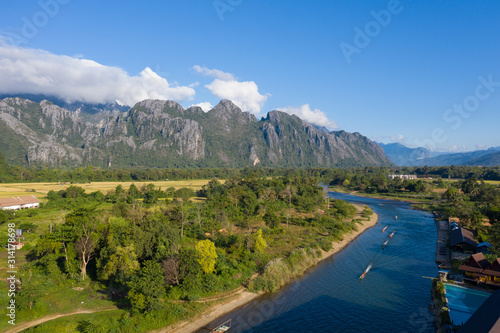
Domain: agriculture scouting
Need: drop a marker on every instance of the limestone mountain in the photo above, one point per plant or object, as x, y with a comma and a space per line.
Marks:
157, 133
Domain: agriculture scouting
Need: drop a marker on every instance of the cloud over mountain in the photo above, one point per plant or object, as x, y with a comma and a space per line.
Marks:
245, 94
205, 106
34, 71
316, 116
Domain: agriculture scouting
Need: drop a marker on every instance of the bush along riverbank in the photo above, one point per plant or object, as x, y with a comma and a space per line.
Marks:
279, 271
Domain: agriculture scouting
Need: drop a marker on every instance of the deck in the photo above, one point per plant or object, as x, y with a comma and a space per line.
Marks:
442, 251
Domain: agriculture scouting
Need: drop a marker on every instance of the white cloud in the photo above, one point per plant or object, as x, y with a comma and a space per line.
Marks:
400, 138
218, 74
73, 79
245, 94
316, 116
480, 146
205, 106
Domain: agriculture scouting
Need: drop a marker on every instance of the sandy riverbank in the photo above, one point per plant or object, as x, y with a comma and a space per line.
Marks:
244, 297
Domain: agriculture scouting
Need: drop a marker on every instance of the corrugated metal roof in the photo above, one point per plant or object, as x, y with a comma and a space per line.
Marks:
13, 201
461, 235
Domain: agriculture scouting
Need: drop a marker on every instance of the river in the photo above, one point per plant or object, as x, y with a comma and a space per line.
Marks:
393, 297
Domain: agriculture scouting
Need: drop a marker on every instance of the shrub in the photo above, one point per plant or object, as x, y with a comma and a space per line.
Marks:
325, 244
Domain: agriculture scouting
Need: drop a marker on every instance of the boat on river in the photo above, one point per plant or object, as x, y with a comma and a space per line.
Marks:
383, 230
224, 327
366, 271
390, 236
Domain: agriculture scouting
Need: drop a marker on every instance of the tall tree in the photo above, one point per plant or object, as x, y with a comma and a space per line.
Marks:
147, 287
183, 195
288, 193
84, 223
206, 255
259, 242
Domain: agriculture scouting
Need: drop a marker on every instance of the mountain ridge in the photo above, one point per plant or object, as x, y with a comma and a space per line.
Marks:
401, 155
159, 133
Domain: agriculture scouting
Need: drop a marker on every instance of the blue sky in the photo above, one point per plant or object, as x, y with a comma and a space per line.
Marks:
420, 73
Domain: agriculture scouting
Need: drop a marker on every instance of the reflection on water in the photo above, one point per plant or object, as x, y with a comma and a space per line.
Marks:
393, 296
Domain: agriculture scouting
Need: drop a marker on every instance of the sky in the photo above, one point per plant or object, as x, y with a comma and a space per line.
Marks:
422, 73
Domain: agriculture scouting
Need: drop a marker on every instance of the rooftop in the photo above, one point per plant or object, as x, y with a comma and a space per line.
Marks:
7, 202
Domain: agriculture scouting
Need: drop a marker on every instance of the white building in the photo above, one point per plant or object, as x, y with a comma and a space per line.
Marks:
19, 202
402, 176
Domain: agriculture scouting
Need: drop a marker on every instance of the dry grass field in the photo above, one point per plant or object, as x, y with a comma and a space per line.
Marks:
41, 189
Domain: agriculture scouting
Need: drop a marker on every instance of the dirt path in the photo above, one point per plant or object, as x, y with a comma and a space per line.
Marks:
25, 325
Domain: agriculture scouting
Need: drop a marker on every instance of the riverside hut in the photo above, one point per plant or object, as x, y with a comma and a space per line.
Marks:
462, 240
493, 273
473, 268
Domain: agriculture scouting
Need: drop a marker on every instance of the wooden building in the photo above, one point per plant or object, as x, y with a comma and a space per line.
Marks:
473, 268
462, 240
493, 273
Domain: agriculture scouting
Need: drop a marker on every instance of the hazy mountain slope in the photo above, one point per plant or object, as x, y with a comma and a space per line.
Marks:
492, 159
405, 156
456, 158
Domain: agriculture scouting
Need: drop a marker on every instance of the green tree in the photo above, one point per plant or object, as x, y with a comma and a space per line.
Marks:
74, 192
470, 186
452, 194
147, 288
121, 264
183, 195
206, 255
288, 193
83, 225
259, 242
271, 219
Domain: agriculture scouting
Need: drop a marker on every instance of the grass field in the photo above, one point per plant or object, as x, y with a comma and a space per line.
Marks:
41, 189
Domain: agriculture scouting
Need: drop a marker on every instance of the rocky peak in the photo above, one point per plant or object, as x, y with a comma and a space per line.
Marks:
18, 101
195, 110
226, 109
56, 113
175, 105
153, 106
229, 114
277, 116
